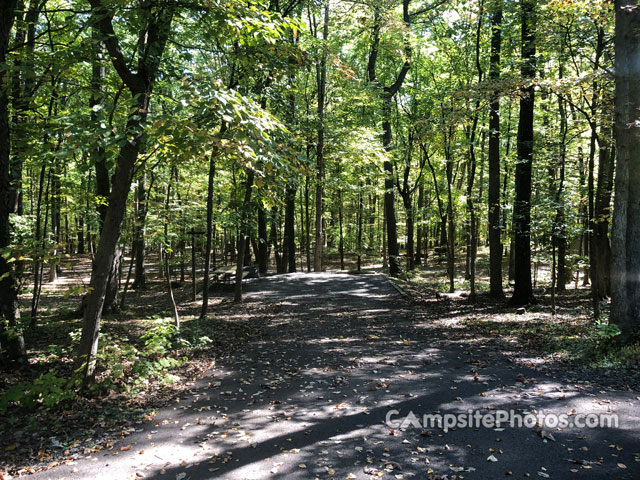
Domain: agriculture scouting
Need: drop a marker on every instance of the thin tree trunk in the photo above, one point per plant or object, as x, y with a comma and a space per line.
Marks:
359, 233
289, 227
341, 241
420, 230
473, 239
560, 229
140, 279
307, 243
495, 228
386, 94
263, 241
243, 234
129, 272
389, 197
209, 241
167, 246
321, 74
37, 263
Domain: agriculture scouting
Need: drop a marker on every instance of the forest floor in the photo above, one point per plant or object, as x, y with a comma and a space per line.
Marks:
299, 379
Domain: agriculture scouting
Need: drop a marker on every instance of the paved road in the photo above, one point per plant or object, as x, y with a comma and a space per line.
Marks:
310, 401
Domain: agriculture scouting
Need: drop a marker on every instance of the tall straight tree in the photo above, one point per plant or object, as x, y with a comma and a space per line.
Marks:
140, 82
625, 265
209, 241
386, 94
523, 290
321, 74
12, 347
495, 230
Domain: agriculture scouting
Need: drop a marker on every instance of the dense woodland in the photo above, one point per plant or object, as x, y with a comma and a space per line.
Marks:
156, 136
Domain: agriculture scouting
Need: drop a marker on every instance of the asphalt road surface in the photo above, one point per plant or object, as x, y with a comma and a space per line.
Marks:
311, 401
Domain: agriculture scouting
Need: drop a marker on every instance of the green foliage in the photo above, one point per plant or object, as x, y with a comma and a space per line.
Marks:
48, 391
125, 367
606, 330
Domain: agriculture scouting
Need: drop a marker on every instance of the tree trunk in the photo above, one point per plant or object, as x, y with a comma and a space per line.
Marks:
289, 227
12, 349
340, 222
451, 237
141, 85
386, 94
263, 241
603, 211
625, 262
560, 228
96, 100
321, 78
523, 290
449, 225
420, 230
103, 184
140, 279
307, 219
209, 241
473, 230
495, 229
360, 220
243, 233
167, 246
389, 194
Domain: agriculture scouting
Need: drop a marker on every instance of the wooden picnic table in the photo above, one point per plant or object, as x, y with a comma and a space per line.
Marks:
225, 274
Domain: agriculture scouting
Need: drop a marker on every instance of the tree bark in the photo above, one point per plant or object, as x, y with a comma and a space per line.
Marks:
603, 211
420, 229
243, 234
263, 241
389, 193
307, 220
523, 290
386, 94
625, 261
495, 229
140, 279
209, 241
559, 228
473, 230
289, 227
140, 85
103, 183
167, 246
12, 348
321, 74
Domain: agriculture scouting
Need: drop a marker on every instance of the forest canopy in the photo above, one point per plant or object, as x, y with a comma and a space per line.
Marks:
174, 139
